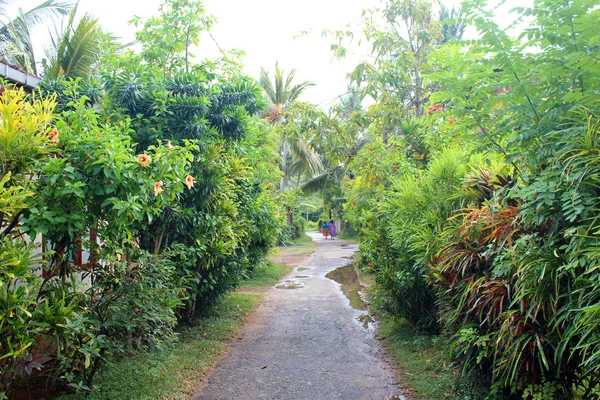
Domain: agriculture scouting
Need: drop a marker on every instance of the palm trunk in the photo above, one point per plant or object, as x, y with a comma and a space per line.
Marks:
284, 156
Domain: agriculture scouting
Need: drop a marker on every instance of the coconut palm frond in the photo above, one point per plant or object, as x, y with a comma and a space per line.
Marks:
321, 181
280, 91
75, 51
308, 158
47, 11
316, 184
293, 94
265, 82
15, 32
17, 47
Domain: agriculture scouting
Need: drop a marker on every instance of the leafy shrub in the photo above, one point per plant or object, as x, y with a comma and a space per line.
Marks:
298, 227
502, 234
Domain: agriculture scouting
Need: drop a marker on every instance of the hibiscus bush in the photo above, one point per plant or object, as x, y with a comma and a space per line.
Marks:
145, 215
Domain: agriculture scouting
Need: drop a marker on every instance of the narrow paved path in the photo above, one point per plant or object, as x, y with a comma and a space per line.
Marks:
305, 342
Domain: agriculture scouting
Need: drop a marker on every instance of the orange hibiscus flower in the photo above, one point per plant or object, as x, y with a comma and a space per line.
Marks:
189, 181
54, 135
158, 188
143, 160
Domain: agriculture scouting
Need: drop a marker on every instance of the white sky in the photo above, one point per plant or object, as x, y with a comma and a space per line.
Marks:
263, 29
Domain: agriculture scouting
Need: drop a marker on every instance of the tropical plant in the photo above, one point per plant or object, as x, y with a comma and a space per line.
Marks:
25, 137
280, 93
167, 39
16, 45
75, 49
501, 236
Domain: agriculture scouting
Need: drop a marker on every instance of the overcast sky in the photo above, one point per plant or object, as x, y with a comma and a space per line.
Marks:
264, 29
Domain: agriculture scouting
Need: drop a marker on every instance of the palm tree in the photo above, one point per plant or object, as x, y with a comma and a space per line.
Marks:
280, 94
341, 137
76, 49
16, 46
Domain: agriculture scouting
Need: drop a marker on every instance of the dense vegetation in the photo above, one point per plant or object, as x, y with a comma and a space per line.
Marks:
472, 180
140, 189
478, 211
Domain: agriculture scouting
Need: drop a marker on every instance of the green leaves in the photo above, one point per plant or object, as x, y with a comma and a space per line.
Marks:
167, 39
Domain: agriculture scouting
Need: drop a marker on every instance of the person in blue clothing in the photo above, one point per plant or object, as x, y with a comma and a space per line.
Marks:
325, 229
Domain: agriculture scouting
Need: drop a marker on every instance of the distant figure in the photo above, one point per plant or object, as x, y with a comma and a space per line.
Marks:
332, 230
325, 229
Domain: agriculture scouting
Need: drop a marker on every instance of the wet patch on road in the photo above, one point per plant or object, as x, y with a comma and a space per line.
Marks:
365, 320
301, 269
301, 277
352, 288
290, 285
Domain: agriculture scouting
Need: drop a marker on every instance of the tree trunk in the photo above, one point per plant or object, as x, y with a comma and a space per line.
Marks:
385, 135
284, 155
418, 93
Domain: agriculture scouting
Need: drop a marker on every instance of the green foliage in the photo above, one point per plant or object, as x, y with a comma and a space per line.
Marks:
75, 51
183, 105
174, 370
144, 191
15, 30
166, 39
424, 359
24, 140
479, 218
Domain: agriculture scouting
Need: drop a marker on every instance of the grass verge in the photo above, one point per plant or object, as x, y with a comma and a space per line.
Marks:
264, 276
303, 241
423, 361
174, 372
351, 237
299, 248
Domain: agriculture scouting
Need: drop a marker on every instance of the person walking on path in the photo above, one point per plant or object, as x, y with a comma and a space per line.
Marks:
332, 230
326, 229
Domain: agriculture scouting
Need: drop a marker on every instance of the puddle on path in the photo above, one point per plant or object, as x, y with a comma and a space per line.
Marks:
289, 285
300, 269
300, 276
347, 277
352, 288
365, 320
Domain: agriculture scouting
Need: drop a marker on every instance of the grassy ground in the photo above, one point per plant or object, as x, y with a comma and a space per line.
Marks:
304, 241
264, 276
175, 371
349, 237
299, 248
310, 226
422, 360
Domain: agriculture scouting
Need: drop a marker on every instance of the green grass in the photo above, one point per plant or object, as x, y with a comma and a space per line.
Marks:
349, 237
302, 246
174, 372
423, 360
264, 276
304, 240
311, 226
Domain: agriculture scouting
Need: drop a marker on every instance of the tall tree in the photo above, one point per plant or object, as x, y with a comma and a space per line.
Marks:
16, 45
281, 92
167, 38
